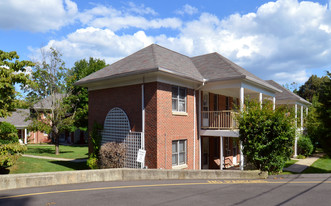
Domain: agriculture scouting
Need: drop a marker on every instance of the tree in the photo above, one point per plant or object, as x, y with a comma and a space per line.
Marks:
8, 133
267, 136
311, 87
12, 71
46, 94
79, 95
324, 110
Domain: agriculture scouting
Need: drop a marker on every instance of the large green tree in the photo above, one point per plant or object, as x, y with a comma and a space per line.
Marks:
324, 111
12, 71
47, 93
311, 87
79, 95
267, 136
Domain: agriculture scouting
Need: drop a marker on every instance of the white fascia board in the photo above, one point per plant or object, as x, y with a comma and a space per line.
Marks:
257, 88
218, 133
157, 76
290, 102
222, 85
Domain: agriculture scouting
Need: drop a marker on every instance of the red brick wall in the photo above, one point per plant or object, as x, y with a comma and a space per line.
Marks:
161, 126
174, 127
127, 98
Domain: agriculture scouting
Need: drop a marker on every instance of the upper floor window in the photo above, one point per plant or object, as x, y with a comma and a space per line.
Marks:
178, 99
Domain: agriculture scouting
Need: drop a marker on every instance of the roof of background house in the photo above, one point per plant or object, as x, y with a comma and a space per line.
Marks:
286, 94
151, 58
18, 118
47, 102
156, 58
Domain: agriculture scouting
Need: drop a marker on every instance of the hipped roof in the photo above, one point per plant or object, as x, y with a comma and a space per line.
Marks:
204, 68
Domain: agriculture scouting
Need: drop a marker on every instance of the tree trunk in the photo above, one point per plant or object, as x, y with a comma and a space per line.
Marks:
57, 143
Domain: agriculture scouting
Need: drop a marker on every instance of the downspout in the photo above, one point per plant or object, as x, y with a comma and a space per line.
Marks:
199, 126
143, 121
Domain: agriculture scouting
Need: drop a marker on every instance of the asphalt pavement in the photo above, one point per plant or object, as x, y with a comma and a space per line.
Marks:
276, 190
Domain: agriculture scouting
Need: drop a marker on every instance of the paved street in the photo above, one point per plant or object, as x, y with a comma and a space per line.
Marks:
286, 190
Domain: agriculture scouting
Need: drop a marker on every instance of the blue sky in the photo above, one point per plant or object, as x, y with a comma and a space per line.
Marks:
283, 40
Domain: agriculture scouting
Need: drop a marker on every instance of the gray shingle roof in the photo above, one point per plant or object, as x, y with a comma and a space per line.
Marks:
151, 58
18, 118
215, 67
287, 94
47, 102
210, 67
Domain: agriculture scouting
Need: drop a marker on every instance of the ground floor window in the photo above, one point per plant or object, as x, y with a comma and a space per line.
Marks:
178, 152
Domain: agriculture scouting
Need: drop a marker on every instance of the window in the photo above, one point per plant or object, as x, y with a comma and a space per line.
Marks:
178, 99
178, 152
227, 103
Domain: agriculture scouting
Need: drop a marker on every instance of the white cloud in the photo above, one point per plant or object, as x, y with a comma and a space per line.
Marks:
187, 9
140, 9
36, 15
98, 43
281, 41
113, 19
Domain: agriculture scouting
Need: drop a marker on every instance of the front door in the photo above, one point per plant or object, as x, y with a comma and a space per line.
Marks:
205, 153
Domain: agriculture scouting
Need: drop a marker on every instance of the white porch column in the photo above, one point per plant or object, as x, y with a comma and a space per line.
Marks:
301, 117
296, 133
306, 111
260, 100
273, 103
199, 129
241, 95
25, 136
221, 153
241, 109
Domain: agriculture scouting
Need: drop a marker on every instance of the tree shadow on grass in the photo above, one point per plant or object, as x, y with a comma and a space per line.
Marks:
72, 165
45, 151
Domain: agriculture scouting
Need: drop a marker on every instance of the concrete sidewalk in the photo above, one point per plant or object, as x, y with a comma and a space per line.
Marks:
301, 164
55, 158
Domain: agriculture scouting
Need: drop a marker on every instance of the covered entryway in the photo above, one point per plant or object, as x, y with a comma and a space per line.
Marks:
117, 129
220, 152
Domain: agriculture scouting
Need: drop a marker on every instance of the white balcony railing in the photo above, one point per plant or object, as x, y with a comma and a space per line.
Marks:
221, 120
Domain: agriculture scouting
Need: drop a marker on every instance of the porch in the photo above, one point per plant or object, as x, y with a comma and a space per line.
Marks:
220, 153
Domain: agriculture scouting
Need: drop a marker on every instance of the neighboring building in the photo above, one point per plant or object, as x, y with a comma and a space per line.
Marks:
179, 109
286, 97
19, 119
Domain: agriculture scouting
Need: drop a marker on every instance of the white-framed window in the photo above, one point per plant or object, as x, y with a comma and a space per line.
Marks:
178, 99
178, 152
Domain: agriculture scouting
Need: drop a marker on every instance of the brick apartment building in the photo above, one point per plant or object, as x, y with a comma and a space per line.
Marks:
179, 109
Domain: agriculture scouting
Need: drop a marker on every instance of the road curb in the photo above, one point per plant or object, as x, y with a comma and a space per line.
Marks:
15, 181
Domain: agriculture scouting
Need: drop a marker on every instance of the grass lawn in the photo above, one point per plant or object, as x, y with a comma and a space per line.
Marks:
70, 152
31, 165
322, 165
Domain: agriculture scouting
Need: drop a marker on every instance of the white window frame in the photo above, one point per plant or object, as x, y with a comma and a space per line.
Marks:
178, 99
177, 153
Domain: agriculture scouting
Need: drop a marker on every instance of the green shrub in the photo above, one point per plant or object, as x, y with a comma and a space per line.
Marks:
301, 157
9, 153
305, 146
112, 155
92, 162
267, 136
96, 137
8, 133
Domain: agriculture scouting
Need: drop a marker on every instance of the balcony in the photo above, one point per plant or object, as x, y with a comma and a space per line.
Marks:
219, 120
